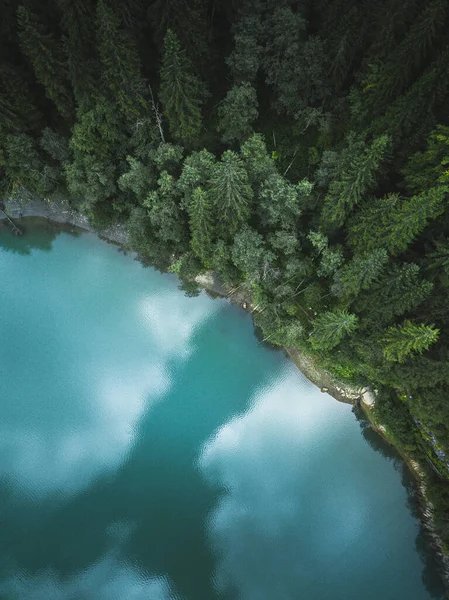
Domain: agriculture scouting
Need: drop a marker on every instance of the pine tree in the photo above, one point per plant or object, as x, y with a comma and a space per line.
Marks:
295, 65
396, 73
196, 172
201, 223
393, 223
258, 163
244, 61
250, 255
359, 274
120, 63
399, 290
237, 113
18, 112
356, 177
330, 328
181, 92
78, 23
231, 194
280, 202
45, 56
430, 167
408, 338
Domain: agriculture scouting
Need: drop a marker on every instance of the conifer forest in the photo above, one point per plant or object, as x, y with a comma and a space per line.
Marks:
297, 148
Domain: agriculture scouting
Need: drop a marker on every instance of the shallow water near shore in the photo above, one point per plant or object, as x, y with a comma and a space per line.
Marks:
152, 448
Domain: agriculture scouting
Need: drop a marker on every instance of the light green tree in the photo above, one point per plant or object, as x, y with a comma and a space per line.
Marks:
330, 328
409, 338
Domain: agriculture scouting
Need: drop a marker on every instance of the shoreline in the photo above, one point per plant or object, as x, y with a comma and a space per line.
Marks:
62, 214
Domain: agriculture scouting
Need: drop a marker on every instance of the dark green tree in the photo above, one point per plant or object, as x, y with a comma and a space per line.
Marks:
237, 113
394, 223
231, 194
359, 273
356, 177
201, 221
120, 64
181, 92
47, 60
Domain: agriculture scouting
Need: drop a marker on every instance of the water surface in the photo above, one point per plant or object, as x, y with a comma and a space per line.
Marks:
151, 448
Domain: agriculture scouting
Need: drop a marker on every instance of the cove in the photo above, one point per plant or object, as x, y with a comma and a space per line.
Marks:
151, 448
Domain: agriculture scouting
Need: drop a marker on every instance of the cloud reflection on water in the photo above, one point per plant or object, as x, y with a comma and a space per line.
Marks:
111, 577
59, 437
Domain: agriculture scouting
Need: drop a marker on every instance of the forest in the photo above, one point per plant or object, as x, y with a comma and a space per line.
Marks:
298, 148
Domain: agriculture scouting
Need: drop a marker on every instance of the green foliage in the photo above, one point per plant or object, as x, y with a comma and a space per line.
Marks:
330, 328
397, 291
181, 92
402, 340
237, 113
201, 223
244, 61
231, 194
426, 169
394, 223
250, 255
42, 50
120, 63
359, 274
355, 177
18, 112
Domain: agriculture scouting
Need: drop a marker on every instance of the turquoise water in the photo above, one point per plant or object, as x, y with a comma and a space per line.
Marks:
151, 448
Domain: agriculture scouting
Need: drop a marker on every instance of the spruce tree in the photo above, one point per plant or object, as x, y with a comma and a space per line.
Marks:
393, 223
181, 92
231, 194
237, 113
120, 63
356, 177
201, 221
46, 57
399, 290
409, 338
330, 328
18, 112
359, 273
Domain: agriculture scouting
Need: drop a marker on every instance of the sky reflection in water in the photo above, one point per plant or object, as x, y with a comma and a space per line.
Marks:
149, 448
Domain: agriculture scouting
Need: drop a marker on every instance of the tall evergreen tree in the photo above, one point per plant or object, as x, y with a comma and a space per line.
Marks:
355, 178
181, 92
46, 57
120, 63
237, 113
201, 225
403, 340
393, 224
330, 328
231, 194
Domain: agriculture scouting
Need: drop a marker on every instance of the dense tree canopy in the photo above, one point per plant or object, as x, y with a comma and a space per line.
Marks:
300, 149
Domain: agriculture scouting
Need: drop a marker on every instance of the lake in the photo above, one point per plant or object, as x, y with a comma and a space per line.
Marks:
152, 448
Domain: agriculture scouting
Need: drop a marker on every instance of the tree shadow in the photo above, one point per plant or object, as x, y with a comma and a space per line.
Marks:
38, 234
431, 573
